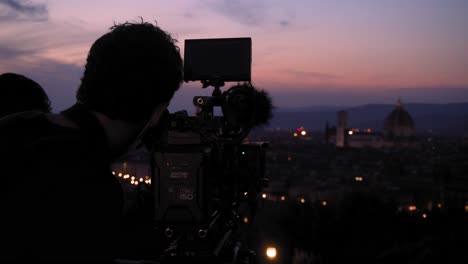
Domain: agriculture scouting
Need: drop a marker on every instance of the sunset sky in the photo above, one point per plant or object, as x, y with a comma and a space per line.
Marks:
305, 52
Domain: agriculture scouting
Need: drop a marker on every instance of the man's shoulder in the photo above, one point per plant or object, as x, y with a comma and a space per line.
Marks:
17, 126
20, 119
33, 127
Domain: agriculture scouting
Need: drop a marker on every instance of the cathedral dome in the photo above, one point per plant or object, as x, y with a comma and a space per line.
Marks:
399, 123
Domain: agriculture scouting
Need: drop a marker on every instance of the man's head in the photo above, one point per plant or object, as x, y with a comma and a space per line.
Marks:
131, 70
19, 93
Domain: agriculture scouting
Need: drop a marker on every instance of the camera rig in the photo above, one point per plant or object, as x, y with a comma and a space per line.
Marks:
206, 176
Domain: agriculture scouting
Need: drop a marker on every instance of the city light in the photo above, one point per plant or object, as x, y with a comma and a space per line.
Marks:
303, 132
271, 252
439, 205
350, 132
120, 174
424, 216
283, 198
295, 134
358, 179
113, 172
245, 194
141, 179
324, 203
246, 219
302, 200
466, 208
264, 195
412, 208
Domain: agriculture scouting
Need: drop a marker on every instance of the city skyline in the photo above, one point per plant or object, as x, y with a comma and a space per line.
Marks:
304, 52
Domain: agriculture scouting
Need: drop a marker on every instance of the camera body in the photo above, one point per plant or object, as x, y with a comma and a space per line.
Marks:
205, 174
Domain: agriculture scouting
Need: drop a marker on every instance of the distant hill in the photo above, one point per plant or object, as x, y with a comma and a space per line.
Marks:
439, 119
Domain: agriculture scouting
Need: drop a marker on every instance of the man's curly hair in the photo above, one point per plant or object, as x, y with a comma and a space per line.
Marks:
131, 70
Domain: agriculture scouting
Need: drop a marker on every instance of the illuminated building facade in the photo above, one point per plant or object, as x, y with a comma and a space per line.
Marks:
399, 131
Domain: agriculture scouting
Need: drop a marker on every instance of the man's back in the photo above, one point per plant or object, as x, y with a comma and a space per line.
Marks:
59, 199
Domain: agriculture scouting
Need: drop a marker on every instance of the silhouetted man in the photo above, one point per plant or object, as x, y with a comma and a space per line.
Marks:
18, 93
59, 199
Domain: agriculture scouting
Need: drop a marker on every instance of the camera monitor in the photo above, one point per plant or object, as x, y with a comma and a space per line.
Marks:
221, 59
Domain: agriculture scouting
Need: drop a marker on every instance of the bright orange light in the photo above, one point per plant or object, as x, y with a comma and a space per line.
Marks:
132, 178
324, 203
369, 130
246, 219
424, 216
302, 200
466, 208
264, 195
350, 132
303, 132
283, 198
120, 174
271, 252
295, 134
141, 179
412, 208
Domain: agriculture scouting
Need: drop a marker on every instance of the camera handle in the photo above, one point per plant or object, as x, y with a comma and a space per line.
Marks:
216, 83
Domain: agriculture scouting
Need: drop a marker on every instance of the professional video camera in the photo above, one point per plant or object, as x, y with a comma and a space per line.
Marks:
205, 175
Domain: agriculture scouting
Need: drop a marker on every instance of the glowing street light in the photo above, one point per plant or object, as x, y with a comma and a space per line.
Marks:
264, 195
283, 198
271, 252
424, 216
302, 200
303, 132
294, 134
350, 132
412, 208
324, 203
246, 220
